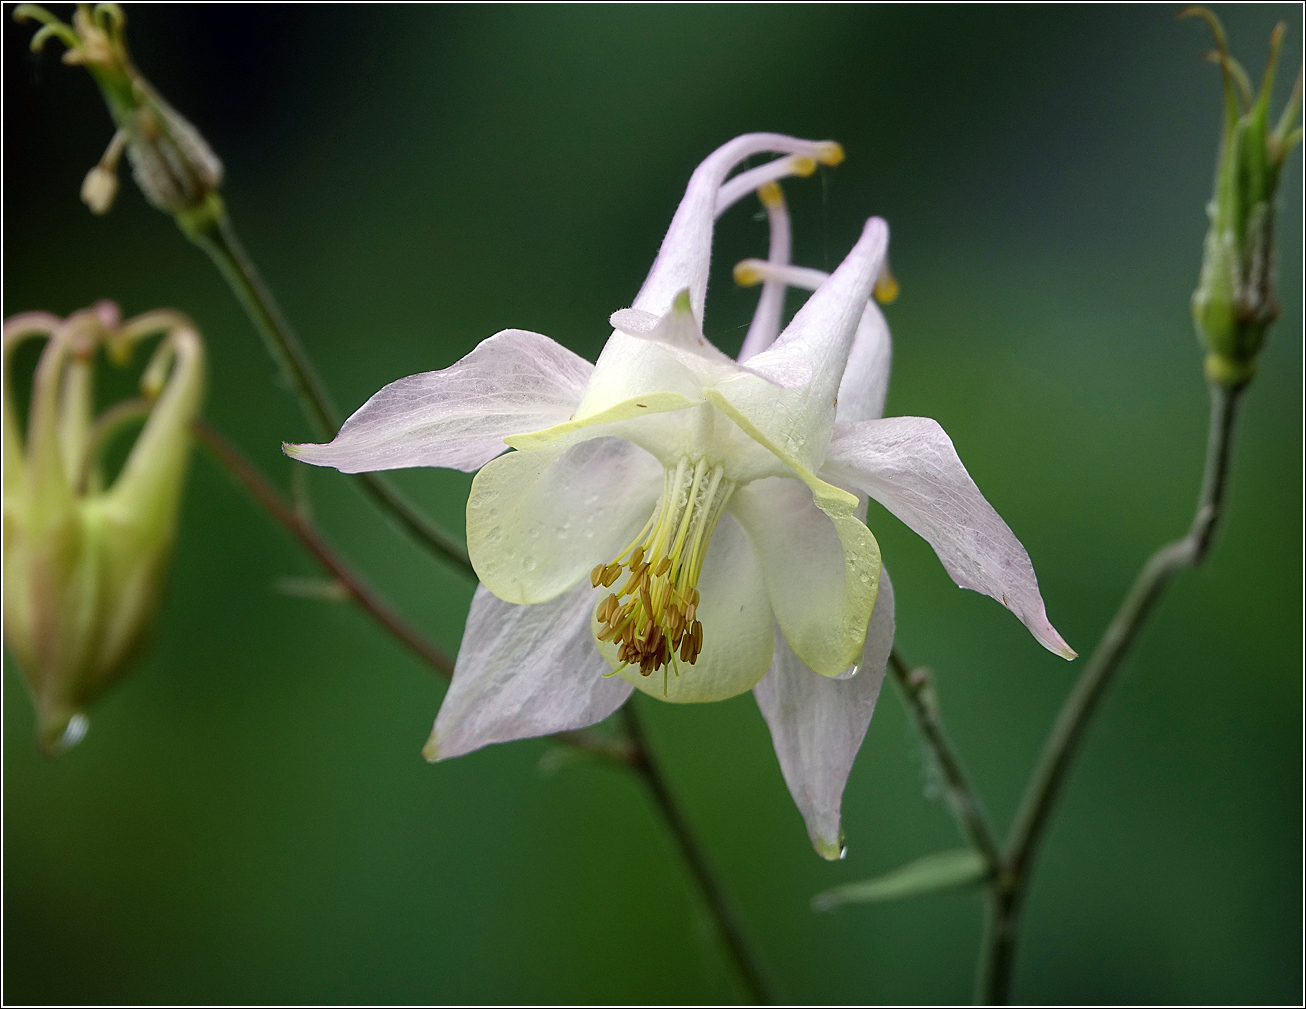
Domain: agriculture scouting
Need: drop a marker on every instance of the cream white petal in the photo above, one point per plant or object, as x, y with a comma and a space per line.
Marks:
909, 465
524, 671
681, 341
821, 602
865, 382
817, 724
538, 521
458, 417
736, 618
797, 422
669, 427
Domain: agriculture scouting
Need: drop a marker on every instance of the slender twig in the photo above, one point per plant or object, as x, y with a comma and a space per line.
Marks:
728, 924
918, 691
620, 751
218, 239
1007, 890
631, 751
285, 513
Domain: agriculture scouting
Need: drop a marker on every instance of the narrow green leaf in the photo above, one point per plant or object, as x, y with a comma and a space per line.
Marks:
944, 870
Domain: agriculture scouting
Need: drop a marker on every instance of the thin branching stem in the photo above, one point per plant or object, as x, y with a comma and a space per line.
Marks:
1007, 890
218, 239
628, 750
596, 744
918, 691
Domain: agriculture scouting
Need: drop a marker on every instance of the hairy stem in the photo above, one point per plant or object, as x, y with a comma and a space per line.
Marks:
729, 927
918, 691
1007, 891
218, 238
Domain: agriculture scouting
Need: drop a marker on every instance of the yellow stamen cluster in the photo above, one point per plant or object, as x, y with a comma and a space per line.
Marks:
652, 618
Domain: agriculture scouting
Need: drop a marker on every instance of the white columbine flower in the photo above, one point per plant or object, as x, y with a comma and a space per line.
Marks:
691, 523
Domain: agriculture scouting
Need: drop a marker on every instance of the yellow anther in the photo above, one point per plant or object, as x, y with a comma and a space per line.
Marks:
829, 153
804, 166
886, 287
597, 574
747, 274
653, 615
771, 195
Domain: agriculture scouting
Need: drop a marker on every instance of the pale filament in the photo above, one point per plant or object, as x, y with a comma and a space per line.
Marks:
653, 617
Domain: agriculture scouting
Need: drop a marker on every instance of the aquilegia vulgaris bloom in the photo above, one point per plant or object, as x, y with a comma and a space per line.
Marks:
681, 522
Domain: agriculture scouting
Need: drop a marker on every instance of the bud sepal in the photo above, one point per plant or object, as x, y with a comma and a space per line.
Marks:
85, 564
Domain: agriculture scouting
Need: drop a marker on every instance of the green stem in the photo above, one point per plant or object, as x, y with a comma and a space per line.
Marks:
619, 751
918, 691
1007, 891
213, 232
729, 927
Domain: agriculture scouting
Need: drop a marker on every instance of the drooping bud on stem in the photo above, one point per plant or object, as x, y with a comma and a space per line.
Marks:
84, 565
1235, 304
174, 166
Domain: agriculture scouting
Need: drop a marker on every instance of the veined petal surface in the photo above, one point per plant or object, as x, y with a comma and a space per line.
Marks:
817, 724
524, 671
537, 522
458, 417
909, 465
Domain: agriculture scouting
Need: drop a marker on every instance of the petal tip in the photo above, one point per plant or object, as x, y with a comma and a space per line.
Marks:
431, 751
831, 851
1054, 642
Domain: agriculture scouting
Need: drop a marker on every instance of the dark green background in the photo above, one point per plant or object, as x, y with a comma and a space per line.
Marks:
249, 818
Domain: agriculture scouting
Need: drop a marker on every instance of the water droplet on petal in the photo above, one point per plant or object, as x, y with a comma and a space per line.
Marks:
73, 732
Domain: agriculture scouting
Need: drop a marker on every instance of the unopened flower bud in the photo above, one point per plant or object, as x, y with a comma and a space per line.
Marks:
99, 189
171, 162
85, 562
1235, 303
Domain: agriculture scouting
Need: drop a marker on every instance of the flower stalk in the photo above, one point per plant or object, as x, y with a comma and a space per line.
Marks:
1007, 889
629, 748
179, 174
918, 692
217, 237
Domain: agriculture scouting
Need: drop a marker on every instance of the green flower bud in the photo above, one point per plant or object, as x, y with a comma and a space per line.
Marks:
85, 564
174, 166
1235, 304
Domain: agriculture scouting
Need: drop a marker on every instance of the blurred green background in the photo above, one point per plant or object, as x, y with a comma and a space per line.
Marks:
249, 819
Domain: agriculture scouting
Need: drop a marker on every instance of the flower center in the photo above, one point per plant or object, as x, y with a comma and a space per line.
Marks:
653, 615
